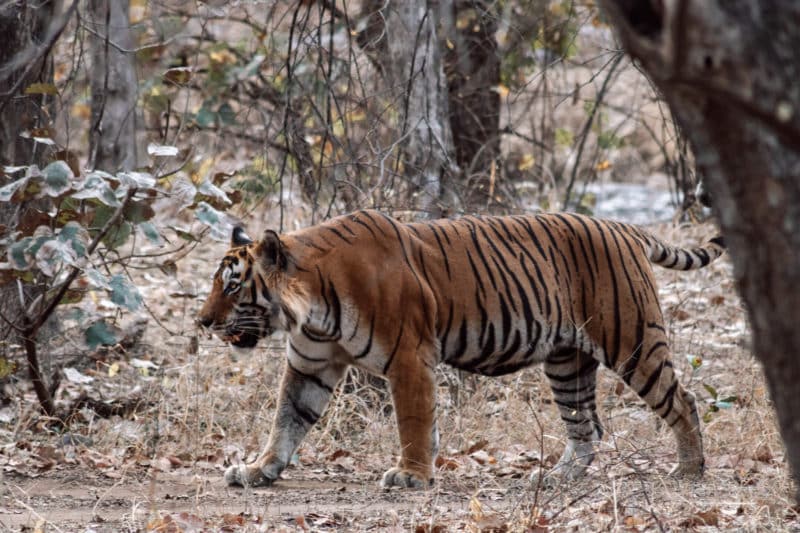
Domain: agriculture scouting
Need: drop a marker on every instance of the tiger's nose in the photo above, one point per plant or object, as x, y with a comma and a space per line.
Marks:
205, 321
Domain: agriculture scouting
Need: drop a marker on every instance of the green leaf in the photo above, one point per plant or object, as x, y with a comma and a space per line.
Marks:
140, 180
711, 390
16, 254
96, 187
100, 333
564, 137
96, 278
52, 255
76, 236
205, 117
41, 88
124, 293
118, 235
214, 193
226, 114
151, 233
7, 367
183, 234
57, 178
8, 191
215, 220
136, 212
72, 297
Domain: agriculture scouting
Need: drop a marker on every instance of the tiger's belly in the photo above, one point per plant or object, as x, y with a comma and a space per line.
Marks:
491, 350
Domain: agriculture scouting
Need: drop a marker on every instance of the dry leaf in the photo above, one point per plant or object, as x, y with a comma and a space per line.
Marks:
703, 518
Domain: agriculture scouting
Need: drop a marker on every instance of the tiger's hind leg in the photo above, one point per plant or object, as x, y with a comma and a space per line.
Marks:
650, 373
573, 375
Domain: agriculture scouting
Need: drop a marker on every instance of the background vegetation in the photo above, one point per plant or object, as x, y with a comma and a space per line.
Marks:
134, 131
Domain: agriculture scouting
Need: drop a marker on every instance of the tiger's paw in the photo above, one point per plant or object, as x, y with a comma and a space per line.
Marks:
242, 475
688, 470
400, 477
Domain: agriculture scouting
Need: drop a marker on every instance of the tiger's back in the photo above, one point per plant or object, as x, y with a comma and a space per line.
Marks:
488, 295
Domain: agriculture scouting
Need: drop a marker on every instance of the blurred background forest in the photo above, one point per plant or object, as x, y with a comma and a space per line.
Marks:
131, 129
133, 133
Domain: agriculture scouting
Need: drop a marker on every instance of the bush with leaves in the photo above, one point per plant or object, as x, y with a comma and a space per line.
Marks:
73, 234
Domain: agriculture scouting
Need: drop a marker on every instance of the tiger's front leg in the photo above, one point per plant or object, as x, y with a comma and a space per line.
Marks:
413, 388
303, 397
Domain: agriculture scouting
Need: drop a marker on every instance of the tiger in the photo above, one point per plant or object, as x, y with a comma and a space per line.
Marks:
486, 294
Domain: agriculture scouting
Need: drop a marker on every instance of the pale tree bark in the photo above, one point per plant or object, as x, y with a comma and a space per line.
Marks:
414, 67
729, 70
472, 70
114, 88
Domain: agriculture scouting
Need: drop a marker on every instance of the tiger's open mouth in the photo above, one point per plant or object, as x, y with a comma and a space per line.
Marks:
245, 339
242, 340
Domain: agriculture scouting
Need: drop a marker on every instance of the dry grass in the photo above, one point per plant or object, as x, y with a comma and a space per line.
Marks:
213, 408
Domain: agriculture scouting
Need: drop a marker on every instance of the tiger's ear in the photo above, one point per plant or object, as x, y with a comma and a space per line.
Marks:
271, 249
239, 237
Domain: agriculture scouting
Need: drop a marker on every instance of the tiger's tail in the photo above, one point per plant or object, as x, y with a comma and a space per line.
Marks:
686, 258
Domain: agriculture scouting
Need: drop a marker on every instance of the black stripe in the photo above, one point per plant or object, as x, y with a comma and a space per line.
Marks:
368, 347
309, 243
653, 379
413, 270
475, 273
616, 340
505, 356
589, 367
441, 249
394, 350
478, 248
306, 357
628, 368
443, 336
311, 377
347, 228
461, 347
306, 415
338, 234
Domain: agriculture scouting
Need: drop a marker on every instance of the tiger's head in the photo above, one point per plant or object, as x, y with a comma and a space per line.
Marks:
254, 292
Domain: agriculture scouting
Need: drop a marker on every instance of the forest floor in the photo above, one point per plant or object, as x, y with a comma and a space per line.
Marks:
160, 467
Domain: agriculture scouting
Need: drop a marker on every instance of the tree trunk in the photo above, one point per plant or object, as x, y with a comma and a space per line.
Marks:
472, 69
114, 88
24, 26
729, 70
24, 61
414, 67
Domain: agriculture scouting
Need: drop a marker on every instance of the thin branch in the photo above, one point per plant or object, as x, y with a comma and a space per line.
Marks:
65, 285
589, 121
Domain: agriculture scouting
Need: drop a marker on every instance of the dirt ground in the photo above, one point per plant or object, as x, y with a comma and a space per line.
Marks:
160, 467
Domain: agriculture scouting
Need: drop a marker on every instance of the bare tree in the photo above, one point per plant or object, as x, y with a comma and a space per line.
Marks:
412, 61
729, 70
26, 90
29, 30
114, 88
472, 69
